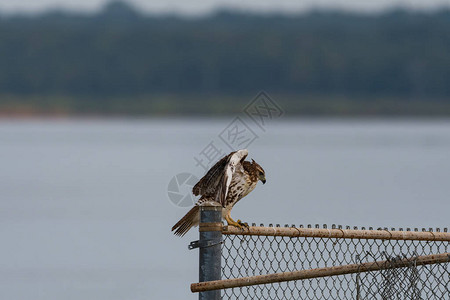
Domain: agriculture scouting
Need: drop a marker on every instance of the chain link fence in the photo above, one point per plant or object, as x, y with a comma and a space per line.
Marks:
250, 255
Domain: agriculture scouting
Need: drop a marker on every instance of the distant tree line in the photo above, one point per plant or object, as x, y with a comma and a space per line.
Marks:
122, 52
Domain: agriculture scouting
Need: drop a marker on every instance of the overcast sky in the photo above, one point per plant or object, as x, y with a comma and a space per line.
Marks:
205, 6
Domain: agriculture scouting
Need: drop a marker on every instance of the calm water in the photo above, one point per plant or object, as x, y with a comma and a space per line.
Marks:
84, 210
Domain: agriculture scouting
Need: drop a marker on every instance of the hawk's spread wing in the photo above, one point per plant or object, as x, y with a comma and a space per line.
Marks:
217, 180
209, 183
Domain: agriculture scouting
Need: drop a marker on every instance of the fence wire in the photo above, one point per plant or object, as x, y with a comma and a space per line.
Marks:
244, 256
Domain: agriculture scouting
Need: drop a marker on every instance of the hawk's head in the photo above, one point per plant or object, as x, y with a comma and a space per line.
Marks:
260, 173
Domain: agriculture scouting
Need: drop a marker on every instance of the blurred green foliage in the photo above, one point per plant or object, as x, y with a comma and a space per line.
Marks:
122, 61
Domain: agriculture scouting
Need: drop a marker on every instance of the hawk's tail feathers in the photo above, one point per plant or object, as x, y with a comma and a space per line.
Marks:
186, 222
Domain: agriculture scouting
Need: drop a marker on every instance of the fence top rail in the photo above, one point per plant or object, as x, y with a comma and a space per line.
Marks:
379, 234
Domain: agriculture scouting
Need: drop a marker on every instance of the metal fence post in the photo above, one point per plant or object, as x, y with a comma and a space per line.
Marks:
210, 248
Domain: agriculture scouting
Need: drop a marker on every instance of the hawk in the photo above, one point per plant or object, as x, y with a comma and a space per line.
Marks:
228, 181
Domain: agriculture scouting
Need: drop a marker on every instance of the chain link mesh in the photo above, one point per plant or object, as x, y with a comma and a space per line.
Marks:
244, 256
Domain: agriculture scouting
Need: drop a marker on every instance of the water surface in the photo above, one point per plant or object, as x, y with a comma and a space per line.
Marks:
84, 211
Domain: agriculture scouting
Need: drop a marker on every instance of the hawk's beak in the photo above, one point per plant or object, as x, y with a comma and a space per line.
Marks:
263, 180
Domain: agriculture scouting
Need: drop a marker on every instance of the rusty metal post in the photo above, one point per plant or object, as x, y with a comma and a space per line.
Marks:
210, 245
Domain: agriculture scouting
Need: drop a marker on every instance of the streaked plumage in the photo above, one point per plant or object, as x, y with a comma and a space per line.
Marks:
227, 182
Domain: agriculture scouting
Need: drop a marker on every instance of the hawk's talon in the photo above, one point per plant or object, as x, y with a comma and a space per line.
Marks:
237, 224
243, 224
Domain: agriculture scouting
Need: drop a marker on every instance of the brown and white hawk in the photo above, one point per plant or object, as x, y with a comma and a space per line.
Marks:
227, 182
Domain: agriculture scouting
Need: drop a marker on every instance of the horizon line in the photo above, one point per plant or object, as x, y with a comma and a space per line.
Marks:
179, 12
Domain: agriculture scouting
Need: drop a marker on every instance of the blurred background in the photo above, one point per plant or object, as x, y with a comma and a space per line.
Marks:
110, 111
